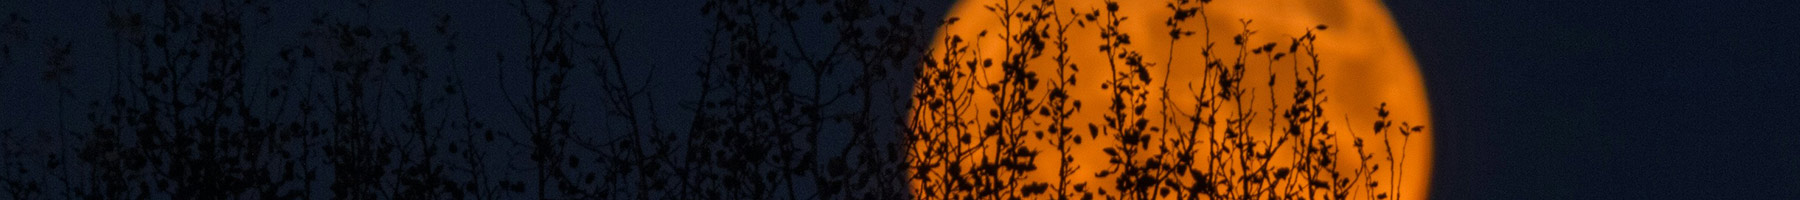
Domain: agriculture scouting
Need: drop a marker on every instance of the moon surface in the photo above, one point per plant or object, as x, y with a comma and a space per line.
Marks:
1364, 58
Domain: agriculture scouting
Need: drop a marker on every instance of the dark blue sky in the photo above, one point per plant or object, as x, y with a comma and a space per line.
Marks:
1610, 99
1532, 99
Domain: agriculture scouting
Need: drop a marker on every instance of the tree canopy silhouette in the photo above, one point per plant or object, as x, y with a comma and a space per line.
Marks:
825, 99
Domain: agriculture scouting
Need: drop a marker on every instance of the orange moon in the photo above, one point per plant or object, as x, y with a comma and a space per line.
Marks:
1362, 54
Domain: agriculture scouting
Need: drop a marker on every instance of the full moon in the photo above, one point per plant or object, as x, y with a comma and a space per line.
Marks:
1360, 52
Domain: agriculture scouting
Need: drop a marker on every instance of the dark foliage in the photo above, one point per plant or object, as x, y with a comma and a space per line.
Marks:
965, 148
827, 99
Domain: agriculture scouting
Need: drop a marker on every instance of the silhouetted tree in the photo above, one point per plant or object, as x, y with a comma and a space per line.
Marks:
197, 133
1206, 150
769, 96
796, 99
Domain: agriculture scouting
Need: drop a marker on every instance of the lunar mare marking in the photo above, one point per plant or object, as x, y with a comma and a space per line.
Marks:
1363, 56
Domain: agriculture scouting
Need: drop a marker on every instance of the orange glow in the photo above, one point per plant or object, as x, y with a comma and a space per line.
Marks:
1365, 60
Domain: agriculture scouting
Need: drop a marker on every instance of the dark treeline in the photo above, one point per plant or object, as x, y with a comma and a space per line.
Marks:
795, 100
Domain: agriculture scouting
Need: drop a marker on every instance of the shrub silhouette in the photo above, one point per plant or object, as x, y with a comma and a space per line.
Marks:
1203, 150
826, 99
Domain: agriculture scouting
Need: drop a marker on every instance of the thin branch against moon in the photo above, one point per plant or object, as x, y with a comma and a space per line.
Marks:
1264, 140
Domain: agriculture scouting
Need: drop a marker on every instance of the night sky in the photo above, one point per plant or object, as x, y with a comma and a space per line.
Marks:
1610, 99
1531, 99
